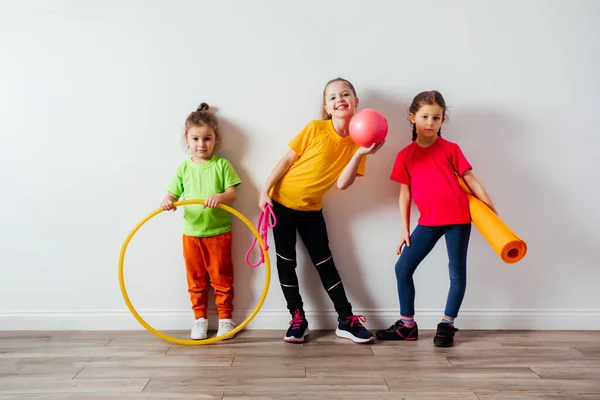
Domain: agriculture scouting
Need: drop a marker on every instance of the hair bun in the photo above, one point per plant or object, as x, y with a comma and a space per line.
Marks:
202, 107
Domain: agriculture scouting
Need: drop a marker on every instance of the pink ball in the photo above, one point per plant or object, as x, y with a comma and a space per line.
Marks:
368, 126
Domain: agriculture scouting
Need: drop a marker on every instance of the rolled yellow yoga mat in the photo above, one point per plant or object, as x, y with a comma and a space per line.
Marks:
503, 240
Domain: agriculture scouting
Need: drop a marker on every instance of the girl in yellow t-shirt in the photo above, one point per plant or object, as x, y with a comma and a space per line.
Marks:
320, 155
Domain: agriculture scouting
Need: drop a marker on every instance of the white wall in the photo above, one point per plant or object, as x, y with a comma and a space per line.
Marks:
94, 96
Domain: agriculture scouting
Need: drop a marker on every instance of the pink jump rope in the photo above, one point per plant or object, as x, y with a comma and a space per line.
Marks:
263, 226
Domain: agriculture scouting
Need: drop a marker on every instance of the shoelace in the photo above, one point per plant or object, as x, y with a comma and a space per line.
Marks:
263, 226
398, 324
356, 320
200, 324
449, 330
297, 320
226, 325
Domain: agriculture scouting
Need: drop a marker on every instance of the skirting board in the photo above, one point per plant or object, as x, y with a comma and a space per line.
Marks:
279, 319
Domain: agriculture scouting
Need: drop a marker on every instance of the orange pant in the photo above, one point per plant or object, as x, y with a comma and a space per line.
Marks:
208, 260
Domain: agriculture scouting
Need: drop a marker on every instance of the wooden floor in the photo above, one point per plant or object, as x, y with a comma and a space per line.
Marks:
485, 365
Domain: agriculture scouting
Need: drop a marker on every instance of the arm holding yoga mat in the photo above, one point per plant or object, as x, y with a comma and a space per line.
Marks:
503, 241
477, 189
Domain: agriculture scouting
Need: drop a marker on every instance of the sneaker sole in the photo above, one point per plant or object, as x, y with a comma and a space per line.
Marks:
412, 339
292, 339
198, 337
227, 338
349, 336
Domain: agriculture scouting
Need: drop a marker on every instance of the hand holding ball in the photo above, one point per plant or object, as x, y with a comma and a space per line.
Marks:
367, 127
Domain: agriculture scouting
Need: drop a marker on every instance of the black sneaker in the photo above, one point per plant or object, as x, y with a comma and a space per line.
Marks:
399, 331
351, 328
298, 329
444, 337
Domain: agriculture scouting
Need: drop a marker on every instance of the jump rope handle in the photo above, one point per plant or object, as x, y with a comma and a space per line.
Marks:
262, 228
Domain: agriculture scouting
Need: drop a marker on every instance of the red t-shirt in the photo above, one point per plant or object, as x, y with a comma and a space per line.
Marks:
430, 172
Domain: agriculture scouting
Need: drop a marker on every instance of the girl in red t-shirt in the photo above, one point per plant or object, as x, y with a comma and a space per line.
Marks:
426, 170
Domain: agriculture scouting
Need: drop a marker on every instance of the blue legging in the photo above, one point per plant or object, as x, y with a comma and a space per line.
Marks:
422, 241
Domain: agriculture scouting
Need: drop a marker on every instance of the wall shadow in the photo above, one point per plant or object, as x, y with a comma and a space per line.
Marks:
533, 207
234, 148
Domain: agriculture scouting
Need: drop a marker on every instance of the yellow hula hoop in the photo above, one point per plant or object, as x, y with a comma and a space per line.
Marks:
190, 342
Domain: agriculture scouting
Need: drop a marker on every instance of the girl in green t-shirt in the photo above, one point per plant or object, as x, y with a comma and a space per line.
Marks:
207, 228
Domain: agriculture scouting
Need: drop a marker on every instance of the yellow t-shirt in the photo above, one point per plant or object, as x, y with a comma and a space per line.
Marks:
322, 156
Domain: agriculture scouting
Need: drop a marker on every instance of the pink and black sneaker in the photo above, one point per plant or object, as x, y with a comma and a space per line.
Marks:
444, 336
351, 328
399, 331
298, 329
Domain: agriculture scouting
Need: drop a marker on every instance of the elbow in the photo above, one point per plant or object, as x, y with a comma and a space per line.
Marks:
405, 200
344, 184
230, 196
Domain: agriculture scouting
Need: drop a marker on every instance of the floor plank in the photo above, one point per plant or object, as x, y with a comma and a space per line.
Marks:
379, 362
54, 373
116, 396
416, 372
76, 351
274, 349
192, 372
25, 334
572, 372
507, 337
482, 352
535, 396
564, 361
34, 363
270, 385
52, 386
9, 361
343, 395
590, 351
52, 342
560, 386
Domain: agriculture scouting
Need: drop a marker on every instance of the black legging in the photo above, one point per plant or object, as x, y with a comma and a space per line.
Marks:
313, 232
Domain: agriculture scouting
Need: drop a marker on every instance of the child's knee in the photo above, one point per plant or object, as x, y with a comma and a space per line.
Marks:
458, 275
285, 262
405, 268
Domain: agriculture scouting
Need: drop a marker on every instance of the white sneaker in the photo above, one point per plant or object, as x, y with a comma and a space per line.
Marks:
225, 326
199, 329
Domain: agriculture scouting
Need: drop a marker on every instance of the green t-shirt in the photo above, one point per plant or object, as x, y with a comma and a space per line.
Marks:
199, 181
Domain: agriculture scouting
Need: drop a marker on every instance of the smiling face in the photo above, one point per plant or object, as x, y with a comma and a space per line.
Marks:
428, 120
340, 101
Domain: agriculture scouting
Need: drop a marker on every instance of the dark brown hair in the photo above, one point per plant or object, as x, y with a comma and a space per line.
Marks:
324, 114
429, 97
203, 117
